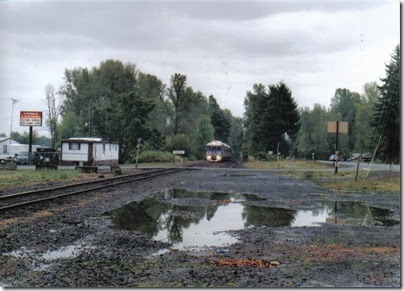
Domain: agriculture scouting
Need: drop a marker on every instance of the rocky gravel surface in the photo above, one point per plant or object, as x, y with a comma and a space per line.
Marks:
72, 243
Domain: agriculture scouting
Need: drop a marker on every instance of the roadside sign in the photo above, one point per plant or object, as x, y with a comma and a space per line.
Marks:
178, 152
342, 127
30, 118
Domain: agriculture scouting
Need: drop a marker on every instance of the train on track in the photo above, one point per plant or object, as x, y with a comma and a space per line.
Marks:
217, 151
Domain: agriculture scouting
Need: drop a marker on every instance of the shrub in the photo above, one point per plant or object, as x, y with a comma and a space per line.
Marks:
261, 156
179, 142
154, 156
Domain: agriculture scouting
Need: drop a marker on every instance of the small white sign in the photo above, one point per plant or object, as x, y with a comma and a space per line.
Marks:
178, 152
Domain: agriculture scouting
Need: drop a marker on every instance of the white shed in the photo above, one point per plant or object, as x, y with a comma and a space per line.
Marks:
89, 151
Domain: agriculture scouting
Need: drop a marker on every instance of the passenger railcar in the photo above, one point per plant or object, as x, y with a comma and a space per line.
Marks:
217, 151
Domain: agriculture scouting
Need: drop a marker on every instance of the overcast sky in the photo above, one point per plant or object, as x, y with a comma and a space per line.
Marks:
223, 47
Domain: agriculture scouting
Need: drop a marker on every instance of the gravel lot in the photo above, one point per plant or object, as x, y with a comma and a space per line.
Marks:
71, 243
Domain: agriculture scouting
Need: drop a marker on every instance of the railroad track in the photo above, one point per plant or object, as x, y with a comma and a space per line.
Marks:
231, 164
21, 199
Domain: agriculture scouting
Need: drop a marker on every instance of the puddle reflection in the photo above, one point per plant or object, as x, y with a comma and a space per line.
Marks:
168, 217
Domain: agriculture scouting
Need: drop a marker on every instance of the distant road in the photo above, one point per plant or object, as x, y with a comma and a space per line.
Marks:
348, 166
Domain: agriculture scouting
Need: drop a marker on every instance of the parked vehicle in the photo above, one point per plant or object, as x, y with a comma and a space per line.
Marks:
354, 157
333, 158
21, 158
47, 156
366, 157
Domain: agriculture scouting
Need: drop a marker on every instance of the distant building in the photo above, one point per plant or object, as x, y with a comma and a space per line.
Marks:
9, 146
89, 151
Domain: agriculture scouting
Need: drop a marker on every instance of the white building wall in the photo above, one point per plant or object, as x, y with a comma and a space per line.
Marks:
74, 155
110, 153
13, 149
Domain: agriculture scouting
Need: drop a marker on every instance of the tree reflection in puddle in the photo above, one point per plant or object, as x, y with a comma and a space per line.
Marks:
178, 218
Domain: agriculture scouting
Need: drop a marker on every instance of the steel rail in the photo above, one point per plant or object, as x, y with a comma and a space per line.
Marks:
160, 173
20, 194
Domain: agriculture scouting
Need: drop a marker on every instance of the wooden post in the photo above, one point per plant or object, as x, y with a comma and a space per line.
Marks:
336, 149
138, 148
277, 154
357, 169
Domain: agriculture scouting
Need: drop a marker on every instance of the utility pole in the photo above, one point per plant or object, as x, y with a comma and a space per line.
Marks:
139, 140
336, 149
12, 110
90, 128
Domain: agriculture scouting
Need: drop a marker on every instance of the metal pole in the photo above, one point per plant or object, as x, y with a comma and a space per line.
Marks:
91, 120
30, 146
12, 111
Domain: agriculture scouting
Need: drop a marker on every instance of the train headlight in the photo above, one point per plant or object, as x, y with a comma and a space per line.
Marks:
208, 157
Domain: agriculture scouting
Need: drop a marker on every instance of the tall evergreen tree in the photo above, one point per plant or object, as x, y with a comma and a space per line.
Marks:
272, 118
386, 112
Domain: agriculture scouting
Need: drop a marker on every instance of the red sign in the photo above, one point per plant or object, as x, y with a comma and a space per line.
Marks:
30, 118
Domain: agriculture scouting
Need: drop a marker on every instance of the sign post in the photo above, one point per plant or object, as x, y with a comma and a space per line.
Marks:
337, 127
179, 152
30, 118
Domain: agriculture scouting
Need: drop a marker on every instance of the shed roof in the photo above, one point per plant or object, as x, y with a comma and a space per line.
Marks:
7, 138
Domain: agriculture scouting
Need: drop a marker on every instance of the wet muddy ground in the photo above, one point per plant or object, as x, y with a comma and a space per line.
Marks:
205, 228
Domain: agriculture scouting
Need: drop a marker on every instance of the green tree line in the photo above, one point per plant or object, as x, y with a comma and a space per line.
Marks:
373, 118
116, 100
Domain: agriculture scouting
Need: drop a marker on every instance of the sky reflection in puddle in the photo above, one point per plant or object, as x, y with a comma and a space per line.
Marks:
170, 217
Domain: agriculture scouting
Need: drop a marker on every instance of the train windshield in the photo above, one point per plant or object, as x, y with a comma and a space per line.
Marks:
212, 148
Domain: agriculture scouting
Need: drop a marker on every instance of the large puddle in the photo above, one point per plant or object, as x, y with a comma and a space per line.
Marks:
191, 220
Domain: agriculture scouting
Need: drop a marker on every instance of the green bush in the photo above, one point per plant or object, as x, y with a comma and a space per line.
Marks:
179, 142
154, 156
261, 156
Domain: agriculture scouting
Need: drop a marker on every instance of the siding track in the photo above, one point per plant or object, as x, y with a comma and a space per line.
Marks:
21, 199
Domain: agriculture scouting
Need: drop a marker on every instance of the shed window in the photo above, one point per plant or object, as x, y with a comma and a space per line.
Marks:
74, 146
103, 149
109, 147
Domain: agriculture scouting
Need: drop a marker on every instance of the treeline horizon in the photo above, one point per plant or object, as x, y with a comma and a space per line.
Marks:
117, 101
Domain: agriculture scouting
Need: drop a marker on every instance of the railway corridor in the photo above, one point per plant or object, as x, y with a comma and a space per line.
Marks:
198, 227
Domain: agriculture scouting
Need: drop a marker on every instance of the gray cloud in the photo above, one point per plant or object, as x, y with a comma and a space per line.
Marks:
223, 46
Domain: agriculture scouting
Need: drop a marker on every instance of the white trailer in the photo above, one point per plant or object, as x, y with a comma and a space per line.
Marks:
89, 151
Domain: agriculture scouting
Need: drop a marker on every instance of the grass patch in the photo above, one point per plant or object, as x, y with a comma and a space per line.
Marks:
345, 181
366, 185
23, 177
321, 175
285, 164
